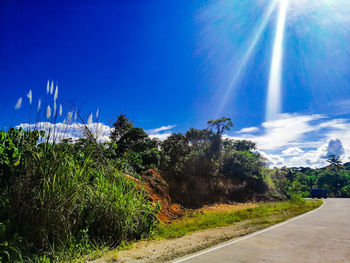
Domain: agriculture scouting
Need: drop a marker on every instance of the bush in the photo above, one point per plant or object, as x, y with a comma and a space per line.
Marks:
297, 198
55, 196
345, 191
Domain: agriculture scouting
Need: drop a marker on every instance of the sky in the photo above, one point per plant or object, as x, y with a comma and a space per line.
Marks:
278, 68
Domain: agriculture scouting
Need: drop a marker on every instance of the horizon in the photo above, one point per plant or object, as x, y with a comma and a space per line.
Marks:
279, 69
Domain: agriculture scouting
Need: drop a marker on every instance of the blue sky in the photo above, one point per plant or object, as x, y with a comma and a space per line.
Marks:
178, 64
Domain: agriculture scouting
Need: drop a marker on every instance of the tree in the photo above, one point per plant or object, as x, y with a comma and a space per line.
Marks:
131, 145
174, 150
132, 140
242, 165
239, 145
334, 161
121, 126
195, 136
220, 125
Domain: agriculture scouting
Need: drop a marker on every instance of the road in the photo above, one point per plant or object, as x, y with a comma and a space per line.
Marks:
321, 236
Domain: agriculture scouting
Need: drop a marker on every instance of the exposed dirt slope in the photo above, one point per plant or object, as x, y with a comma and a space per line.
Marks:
158, 191
194, 192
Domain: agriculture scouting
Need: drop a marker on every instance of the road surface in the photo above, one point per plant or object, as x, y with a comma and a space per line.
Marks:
321, 236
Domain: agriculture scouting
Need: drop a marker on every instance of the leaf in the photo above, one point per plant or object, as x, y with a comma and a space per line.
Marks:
18, 161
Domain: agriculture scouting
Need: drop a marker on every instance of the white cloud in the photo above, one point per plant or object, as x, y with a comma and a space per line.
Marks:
287, 130
292, 151
302, 140
60, 131
163, 128
335, 147
273, 159
248, 130
160, 136
157, 133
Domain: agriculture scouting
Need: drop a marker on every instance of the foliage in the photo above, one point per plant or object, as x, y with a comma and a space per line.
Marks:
133, 145
221, 125
334, 161
298, 181
239, 145
121, 126
242, 164
204, 153
65, 197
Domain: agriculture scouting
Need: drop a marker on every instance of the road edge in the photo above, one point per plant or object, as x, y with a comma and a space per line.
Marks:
236, 240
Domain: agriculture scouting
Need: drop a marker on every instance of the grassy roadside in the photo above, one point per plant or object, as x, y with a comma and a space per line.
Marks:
264, 214
170, 240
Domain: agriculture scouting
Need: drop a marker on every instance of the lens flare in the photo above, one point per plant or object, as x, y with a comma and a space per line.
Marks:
236, 74
273, 104
308, 65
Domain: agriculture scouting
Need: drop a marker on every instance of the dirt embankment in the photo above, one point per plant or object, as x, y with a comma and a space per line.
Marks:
177, 194
157, 190
190, 192
195, 192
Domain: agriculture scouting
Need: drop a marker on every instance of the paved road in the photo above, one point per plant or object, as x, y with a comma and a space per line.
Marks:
323, 236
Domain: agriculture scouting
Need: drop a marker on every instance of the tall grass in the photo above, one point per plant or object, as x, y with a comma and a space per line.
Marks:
60, 199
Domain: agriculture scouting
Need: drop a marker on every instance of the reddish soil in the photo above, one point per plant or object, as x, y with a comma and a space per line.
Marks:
158, 191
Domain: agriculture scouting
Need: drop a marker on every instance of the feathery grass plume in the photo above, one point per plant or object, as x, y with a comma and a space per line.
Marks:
69, 118
54, 107
90, 119
61, 110
76, 116
39, 105
51, 88
97, 113
30, 97
56, 93
48, 87
48, 112
18, 104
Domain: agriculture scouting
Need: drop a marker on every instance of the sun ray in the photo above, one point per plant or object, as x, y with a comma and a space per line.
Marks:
273, 103
237, 71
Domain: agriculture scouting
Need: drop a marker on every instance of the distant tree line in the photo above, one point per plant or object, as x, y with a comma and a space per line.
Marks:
299, 180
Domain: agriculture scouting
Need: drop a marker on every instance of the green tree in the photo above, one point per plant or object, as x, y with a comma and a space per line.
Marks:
334, 162
220, 125
242, 165
239, 145
196, 137
174, 151
132, 146
121, 126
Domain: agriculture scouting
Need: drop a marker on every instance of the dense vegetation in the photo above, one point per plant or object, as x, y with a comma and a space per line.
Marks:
203, 167
335, 178
61, 198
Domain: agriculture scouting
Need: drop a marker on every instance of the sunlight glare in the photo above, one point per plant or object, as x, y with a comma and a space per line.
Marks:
273, 104
236, 74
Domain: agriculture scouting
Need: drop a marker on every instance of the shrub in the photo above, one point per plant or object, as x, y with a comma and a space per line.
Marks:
52, 193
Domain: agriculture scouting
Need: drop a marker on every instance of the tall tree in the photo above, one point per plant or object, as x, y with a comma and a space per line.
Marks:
121, 126
239, 145
198, 137
220, 125
334, 161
